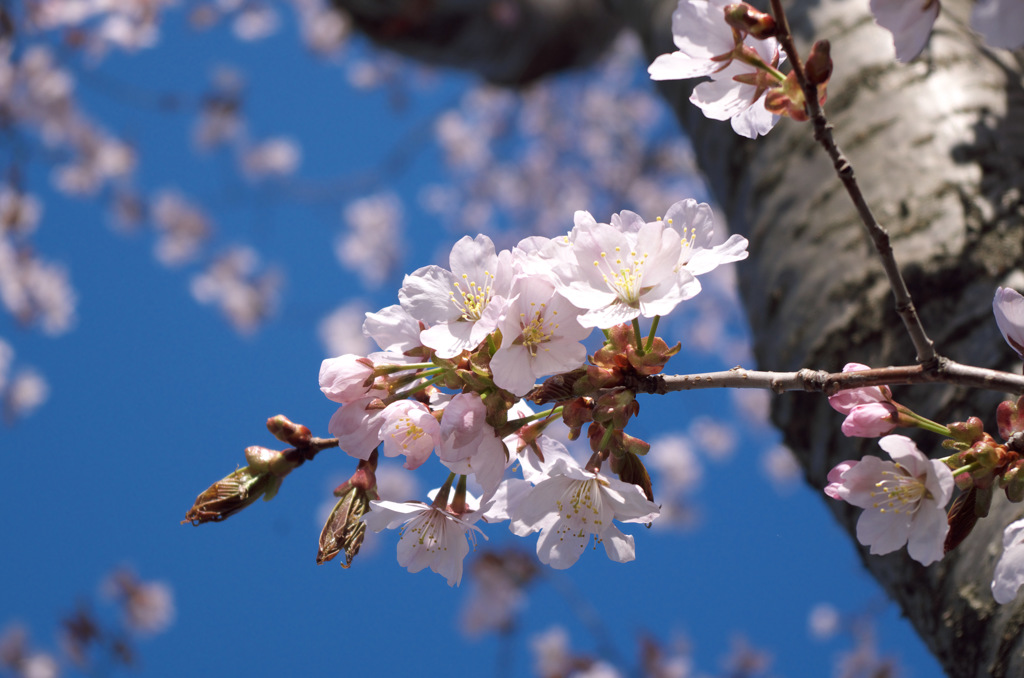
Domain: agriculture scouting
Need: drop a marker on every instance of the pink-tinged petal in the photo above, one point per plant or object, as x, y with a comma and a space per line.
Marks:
926, 542
1009, 573
699, 28
343, 379
860, 481
835, 488
883, 532
356, 428
560, 547
909, 21
1000, 22
387, 515
1008, 307
507, 368
869, 421
619, 547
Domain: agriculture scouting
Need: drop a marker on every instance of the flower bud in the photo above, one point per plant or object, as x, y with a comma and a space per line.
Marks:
746, 19
968, 432
285, 430
631, 470
344, 529
1010, 417
228, 496
819, 64
1013, 482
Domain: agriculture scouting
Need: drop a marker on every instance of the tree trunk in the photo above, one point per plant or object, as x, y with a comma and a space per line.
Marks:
938, 147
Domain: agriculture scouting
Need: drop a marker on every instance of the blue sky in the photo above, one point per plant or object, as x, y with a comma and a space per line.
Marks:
154, 397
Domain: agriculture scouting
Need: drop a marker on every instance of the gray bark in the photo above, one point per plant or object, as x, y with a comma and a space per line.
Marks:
938, 147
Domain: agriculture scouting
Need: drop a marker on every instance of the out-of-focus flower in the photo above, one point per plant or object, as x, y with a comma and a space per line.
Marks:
904, 500
823, 621
1000, 22
497, 593
148, 605
371, 246
16, 656
182, 227
1008, 307
341, 331
277, 157
909, 21
255, 21
232, 284
35, 291
1009, 573
551, 657
781, 467
19, 212
869, 411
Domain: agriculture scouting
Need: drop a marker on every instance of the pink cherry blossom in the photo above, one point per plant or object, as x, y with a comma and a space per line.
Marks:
1009, 573
903, 500
696, 223
346, 378
1008, 307
909, 21
469, 445
357, 426
868, 410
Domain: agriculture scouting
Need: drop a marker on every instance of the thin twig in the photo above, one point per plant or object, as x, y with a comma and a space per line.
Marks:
820, 381
926, 354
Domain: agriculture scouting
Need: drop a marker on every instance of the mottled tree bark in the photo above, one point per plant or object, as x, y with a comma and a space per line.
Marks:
938, 146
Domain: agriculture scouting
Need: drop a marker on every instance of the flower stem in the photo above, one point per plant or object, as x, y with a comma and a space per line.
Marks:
441, 500
638, 337
650, 336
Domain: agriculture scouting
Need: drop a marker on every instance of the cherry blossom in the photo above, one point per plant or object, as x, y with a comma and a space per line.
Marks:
696, 223
357, 426
344, 379
903, 500
409, 429
707, 45
910, 23
463, 305
469, 445
1009, 573
569, 504
618, 275
430, 537
868, 410
539, 336
1008, 307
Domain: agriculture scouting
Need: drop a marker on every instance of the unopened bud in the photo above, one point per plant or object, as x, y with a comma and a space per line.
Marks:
746, 19
819, 64
968, 432
344, 529
260, 458
1014, 482
961, 518
228, 496
287, 431
631, 470
1010, 417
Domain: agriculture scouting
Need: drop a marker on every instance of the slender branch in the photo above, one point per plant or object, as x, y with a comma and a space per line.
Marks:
926, 354
829, 383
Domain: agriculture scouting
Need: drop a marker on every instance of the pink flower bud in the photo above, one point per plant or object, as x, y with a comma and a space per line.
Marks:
870, 411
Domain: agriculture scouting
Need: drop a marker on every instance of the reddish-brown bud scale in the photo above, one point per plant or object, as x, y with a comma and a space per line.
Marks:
287, 431
818, 67
1010, 417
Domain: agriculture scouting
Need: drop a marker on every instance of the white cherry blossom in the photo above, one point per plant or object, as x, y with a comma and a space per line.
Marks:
618, 275
569, 505
540, 336
461, 306
1008, 307
909, 21
430, 537
409, 429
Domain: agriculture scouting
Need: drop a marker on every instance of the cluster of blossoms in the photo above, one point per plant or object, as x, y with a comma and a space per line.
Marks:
904, 500
734, 45
461, 351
